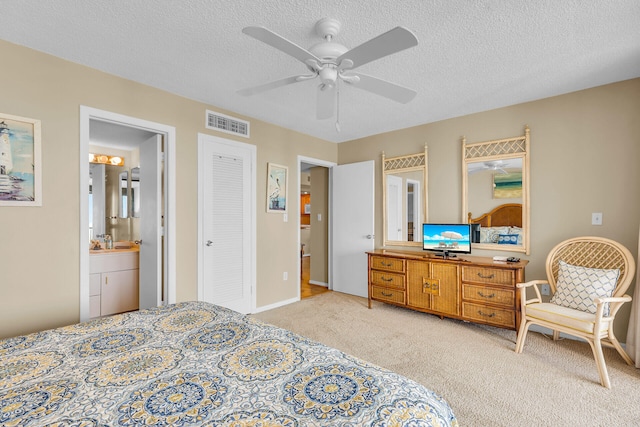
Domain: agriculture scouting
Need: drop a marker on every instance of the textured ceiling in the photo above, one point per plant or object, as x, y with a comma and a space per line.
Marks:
472, 55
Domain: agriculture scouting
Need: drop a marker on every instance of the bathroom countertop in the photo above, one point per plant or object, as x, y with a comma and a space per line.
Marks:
115, 250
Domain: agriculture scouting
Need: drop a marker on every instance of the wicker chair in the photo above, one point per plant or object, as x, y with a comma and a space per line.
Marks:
596, 328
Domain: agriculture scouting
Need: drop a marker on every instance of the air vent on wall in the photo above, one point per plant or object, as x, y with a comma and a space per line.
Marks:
227, 124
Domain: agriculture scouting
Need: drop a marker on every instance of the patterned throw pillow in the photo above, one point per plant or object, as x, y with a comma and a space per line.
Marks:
577, 287
508, 239
490, 234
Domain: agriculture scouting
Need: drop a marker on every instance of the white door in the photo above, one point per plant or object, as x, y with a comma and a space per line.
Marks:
414, 202
352, 226
394, 213
226, 223
151, 222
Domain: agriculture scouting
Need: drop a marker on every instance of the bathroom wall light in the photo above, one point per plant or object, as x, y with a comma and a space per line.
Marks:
105, 159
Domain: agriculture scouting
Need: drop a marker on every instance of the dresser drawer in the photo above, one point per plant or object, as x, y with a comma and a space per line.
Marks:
388, 264
484, 314
384, 278
388, 294
495, 276
484, 294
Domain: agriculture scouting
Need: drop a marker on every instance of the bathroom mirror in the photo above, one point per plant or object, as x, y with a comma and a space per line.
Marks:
495, 193
404, 198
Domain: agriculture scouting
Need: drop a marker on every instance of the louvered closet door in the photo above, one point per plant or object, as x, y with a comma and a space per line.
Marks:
226, 223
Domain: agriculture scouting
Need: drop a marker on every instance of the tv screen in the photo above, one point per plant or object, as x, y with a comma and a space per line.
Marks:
446, 238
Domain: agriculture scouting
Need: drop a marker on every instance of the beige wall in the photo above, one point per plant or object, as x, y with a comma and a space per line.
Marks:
39, 258
319, 228
585, 157
585, 151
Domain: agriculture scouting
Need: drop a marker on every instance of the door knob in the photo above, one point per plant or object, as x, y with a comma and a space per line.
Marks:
370, 236
138, 242
209, 243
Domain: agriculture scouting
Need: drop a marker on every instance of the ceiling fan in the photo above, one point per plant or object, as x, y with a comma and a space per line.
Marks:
333, 63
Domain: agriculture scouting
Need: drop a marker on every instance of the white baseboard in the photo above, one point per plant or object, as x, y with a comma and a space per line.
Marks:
313, 282
276, 305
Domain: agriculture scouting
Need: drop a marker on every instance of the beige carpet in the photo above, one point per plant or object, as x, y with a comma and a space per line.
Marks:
473, 367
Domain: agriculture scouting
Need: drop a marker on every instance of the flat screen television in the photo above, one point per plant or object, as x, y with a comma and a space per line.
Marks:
446, 239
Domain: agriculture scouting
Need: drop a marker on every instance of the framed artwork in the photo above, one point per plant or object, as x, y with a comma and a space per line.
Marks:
507, 185
20, 169
277, 176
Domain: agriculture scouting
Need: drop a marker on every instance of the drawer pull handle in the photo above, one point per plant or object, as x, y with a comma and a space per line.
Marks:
485, 314
386, 295
486, 296
491, 276
384, 264
390, 279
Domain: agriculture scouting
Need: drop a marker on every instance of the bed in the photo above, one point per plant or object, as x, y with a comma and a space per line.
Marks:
195, 363
502, 225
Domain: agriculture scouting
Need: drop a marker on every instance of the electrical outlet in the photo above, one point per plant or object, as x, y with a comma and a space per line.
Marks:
285, 276
545, 290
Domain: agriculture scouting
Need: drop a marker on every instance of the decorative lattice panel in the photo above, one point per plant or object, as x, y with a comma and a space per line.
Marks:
496, 148
404, 162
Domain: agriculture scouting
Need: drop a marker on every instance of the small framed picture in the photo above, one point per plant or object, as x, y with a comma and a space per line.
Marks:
277, 176
20, 169
307, 208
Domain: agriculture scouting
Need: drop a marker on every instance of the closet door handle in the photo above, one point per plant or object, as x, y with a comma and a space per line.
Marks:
209, 243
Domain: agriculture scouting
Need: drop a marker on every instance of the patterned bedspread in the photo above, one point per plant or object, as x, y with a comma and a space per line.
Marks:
199, 364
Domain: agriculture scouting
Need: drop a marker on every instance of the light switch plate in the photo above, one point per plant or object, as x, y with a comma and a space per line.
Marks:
596, 218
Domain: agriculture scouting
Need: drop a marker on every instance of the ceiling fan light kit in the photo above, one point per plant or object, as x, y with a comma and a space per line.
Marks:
332, 62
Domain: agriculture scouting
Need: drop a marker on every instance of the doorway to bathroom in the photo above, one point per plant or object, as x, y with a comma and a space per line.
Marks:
155, 229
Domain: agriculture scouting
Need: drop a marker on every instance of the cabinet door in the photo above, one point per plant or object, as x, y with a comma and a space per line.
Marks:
419, 284
95, 283
119, 292
445, 295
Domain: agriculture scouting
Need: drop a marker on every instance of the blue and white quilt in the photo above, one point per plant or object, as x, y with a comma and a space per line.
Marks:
197, 364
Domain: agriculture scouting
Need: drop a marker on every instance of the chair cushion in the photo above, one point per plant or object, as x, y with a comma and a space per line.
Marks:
577, 287
563, 316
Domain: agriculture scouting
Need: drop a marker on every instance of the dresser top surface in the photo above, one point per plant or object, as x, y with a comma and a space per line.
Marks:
459, 259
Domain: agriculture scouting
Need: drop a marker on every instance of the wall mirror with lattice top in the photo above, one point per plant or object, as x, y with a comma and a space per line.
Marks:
404, 198
495, 193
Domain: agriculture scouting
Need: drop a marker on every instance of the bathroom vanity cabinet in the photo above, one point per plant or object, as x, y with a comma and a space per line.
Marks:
114, 282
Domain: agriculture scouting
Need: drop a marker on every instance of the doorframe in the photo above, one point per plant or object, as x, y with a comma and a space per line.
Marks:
169, 256
329, 165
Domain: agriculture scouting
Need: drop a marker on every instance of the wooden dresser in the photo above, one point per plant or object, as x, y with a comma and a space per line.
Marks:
475, 289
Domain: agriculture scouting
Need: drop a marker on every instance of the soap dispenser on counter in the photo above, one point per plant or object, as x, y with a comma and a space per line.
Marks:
108, 242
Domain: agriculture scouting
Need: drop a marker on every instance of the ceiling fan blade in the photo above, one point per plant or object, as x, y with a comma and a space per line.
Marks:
392, 41
326, 102
280, 43
271, 85
383, 88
